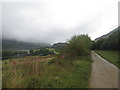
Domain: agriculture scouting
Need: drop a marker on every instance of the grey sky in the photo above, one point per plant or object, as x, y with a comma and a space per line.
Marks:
57, 20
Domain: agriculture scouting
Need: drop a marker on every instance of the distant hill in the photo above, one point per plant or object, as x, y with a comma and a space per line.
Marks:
14, 44
108, 34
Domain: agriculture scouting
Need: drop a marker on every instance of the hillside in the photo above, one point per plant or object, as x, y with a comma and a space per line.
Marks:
108, 34
14, 44
108, 41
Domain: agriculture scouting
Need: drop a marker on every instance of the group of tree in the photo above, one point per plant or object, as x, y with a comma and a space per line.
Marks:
41, 52
111, 42
59, 47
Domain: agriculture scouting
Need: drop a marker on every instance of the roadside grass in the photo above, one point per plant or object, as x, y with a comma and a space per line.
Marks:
54, 73
111, 56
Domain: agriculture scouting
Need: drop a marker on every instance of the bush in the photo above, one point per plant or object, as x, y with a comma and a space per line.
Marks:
78, 45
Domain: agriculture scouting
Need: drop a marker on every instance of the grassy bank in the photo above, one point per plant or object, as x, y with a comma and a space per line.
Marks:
111, 56
46, 72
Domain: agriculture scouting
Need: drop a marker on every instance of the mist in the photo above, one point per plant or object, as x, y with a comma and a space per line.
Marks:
56, 21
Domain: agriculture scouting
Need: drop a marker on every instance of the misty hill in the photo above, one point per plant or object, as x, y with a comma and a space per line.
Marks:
108, 34
14, 44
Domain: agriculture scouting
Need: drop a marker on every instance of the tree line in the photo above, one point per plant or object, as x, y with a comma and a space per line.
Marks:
41, 52
112, 42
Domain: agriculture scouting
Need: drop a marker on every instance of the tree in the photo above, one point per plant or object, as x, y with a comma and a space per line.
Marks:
78, 45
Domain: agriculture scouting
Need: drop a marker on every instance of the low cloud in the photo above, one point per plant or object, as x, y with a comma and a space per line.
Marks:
56, 21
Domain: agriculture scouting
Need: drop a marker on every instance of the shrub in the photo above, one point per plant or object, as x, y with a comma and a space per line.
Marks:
78, 45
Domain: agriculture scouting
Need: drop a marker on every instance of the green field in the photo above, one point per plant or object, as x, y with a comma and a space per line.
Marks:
111, 56
46, 72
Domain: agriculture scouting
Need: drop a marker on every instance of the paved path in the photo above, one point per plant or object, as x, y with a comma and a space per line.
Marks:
104, 74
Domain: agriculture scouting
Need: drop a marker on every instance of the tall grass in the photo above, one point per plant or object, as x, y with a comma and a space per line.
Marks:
55, 73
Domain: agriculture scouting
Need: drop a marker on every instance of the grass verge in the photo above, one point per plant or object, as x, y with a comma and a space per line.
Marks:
55, 73
111, 56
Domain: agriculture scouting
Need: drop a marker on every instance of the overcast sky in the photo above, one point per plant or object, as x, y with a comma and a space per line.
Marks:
54, 21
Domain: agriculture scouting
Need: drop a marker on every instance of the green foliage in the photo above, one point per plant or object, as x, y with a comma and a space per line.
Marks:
78, 46
41, 52
55, 73
8, 53
41, 72
112, 42
111, 56
45, 51
13, 54
59, 46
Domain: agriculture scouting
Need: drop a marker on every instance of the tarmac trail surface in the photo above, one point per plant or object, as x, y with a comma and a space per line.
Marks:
104, 74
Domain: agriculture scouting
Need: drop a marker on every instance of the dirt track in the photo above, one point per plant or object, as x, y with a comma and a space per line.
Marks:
104, 74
